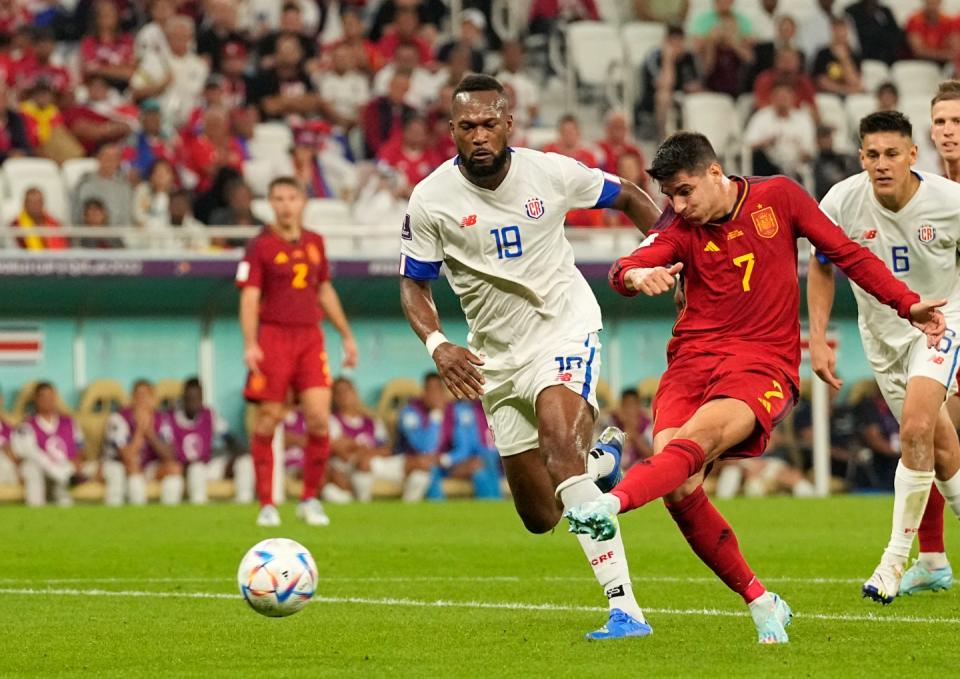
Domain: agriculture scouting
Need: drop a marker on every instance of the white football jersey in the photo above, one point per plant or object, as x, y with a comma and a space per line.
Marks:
919, 245
506, 254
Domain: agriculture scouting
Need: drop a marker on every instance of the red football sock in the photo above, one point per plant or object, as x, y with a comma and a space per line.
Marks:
930, 532
658, 475
261, 449
714, 541
315, 457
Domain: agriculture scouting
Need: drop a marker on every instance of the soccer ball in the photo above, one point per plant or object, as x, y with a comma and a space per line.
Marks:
277, 577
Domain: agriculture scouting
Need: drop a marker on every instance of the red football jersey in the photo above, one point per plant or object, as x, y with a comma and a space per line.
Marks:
740, 274
288, 274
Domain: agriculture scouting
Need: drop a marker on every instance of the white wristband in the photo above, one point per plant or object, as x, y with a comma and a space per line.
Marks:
434, 340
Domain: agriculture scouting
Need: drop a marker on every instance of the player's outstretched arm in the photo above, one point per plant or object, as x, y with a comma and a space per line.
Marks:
636, 204
329, 301
926, 316
821, 289
457, 365
653, 281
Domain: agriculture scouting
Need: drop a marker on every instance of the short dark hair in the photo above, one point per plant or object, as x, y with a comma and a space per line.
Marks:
674, 29
948, 90
682, 152
886, 121
94, 202
141, 382
40, 386
628, 392
285, 180
887, 86
432, 375
192, 383
478, 82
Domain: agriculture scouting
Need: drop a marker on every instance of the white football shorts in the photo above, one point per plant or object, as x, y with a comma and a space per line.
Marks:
939, 363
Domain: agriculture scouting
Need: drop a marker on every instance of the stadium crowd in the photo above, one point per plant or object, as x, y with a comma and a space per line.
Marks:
177, 113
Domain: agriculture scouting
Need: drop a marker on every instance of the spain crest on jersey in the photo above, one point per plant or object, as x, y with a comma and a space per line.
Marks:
765, 221
534, 208
926, 233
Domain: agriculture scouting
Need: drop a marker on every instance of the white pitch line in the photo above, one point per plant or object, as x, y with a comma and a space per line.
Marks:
498, 605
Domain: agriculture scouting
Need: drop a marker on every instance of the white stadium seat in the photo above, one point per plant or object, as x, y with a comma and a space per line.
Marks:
715, 116
915, 77
264, 149
538, 137
858, 106
834, 114
639, 38
873, 73
74, 169
322, 214
260, 207
24, 173
275, 133
258, 174
593, 49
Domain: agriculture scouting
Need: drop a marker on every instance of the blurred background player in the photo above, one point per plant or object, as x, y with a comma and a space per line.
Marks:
356, 439
285, 292
198, 434
729, 379
631, 417
138, 445
534, 348
50, 445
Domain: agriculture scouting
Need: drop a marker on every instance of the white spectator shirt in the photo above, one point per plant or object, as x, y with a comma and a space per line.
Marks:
920, 246
424, 85
189, 74
347, 93
795, 137
506, 254
526, 93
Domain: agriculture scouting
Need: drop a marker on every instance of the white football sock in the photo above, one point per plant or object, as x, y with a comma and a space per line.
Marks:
34, 484
115, 480
804, 488
728, 482
950, 489
61, 494
416, 485
911, 489
197, 483
933, 560
243, 479
608, 558
171, 489
599, 464
137, 489
362, 485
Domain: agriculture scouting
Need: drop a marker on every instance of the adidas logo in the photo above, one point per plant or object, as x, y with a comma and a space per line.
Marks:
711, 247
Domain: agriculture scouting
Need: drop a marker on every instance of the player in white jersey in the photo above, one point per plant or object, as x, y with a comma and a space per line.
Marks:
494, 215
912, 222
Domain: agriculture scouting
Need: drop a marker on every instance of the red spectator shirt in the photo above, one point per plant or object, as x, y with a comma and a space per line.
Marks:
94, 53
25, 73
932, 35
288, 274
803, 89
388, 45
612, 153
203, 158
740, 274
414, 166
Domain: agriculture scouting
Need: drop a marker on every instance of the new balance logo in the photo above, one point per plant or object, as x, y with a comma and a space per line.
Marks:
711, 247
469, 220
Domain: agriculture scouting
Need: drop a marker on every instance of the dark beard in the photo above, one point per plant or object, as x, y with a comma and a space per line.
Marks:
479, 171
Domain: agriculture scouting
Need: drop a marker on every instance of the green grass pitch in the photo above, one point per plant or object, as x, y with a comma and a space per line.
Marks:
456, 589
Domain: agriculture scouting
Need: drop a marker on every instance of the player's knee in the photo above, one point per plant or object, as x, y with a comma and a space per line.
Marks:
317, 426
268, 417
539, 520
916, 438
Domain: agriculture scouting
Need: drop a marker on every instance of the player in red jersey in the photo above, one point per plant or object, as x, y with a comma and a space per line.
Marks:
285, 292
732, 365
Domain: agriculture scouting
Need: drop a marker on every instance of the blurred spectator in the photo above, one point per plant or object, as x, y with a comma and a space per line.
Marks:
176, 79
569, 143
784, 37
108, 185
233, 74
662, 11
356, 442
844, 435
217, 30
616, 143
438, 120
931, 34
105, 50
631, 416
880, 435
102, 99
365, 52
37, 64
877, 31
815, 31
151, 199
152, 38
429, 13
787, 70
668, 70
150, 144
410, 153
95, 215
9, 473
41, 114
345, 87
404, 30
781, 136
138, 444
472, 25
724, 43
453, 71
888, 97
545, 15
383, 117
630, 166
285, 89
213, 96
13, 15
778, 469
419, 439
191, 230
291, 23
472, 453
206, 154
91, 127
763, 22
320, 165
33, 214
14, 140
836, 67
830, 167
381, 195
50, 445
423, 83
526, 111
238, 211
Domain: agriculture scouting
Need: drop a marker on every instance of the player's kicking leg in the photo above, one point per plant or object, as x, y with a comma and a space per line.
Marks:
556, 469
268, 415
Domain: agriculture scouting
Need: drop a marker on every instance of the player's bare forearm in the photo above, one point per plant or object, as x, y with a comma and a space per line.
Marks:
164, 449
249, 312
820, 293
333, 310
636, 204
416, 299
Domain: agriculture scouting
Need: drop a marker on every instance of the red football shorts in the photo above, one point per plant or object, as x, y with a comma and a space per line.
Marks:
293, 356
693, 380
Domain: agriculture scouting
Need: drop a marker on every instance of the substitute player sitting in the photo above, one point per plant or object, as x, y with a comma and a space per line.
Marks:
911, 220
494, 216
285, 292
733, 363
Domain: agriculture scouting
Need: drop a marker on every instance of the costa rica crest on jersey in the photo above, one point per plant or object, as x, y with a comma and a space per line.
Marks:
535, 208
765, 222
926, 233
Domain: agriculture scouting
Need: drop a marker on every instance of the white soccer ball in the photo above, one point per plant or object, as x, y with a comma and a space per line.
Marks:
277, 577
